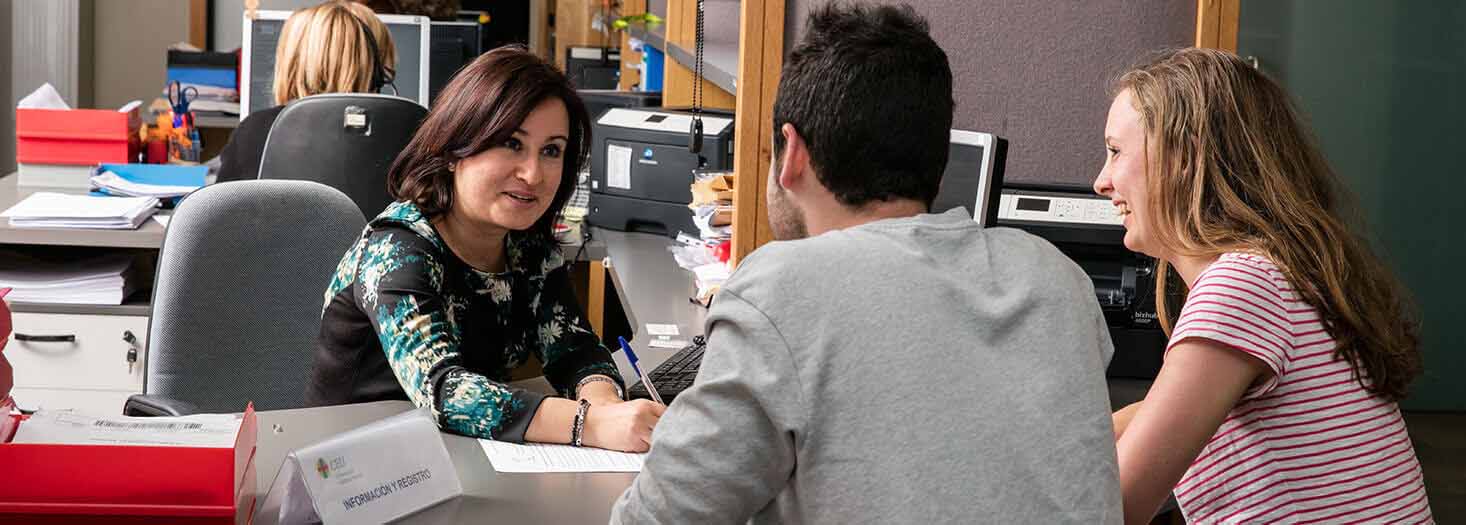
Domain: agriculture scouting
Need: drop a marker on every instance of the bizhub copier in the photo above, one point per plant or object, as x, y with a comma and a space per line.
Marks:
641, 170
1086, 228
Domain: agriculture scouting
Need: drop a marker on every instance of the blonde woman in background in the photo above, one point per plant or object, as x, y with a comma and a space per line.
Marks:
323, 49
1277, 399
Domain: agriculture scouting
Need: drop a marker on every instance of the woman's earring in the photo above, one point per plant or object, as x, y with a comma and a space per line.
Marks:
452, 167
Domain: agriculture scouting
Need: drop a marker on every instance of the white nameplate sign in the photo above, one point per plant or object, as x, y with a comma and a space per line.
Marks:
372, 474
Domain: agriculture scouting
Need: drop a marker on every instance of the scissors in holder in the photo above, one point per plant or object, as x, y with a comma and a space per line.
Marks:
179, 98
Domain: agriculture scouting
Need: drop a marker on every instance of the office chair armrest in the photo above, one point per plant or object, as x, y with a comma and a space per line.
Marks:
152, 406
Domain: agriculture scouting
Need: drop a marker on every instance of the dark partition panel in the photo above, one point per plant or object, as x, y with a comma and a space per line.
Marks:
1037, 71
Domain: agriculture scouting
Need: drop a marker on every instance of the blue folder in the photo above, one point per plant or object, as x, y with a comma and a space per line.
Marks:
160, 174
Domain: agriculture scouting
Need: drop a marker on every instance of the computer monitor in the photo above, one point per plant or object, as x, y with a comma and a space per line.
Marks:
974, 175
454, 45
410, 36
593, 67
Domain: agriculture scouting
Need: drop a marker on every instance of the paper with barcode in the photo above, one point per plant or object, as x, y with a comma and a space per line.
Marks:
540, 457
65, 427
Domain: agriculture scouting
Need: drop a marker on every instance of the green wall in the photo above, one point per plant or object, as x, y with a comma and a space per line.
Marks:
1382, 83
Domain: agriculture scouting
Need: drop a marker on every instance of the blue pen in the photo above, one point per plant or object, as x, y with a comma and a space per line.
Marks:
631, 356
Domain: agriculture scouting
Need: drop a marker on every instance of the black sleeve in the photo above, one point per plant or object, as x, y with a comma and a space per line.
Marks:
400, 286
240, 158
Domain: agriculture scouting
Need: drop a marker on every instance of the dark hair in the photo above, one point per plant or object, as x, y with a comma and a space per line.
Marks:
871, 94
480, 108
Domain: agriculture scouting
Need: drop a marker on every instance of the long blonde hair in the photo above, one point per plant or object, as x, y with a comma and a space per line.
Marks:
323, 50
1232, 168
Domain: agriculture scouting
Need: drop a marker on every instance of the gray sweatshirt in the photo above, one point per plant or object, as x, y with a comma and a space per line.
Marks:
913, 370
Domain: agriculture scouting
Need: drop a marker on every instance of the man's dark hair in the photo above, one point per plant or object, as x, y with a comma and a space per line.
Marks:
480, 108
871, 94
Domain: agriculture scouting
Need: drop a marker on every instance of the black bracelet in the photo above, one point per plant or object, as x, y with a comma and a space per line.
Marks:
578, 427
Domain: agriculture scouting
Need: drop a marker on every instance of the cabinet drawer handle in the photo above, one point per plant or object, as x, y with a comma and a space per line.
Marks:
45, 338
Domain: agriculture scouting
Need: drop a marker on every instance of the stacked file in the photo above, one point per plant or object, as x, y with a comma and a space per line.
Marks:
712, 206
59, 210
210, 78
712, 212
101, 280
164, 181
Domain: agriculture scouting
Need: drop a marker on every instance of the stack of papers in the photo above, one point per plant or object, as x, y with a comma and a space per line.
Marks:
65, 427
163, 181
713, 222
712, 206
59, 210
102, 280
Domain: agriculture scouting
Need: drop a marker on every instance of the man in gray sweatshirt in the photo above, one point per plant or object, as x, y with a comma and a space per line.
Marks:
882, 364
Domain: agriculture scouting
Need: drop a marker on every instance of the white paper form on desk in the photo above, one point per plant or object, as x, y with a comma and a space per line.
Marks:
539, 457
65, 427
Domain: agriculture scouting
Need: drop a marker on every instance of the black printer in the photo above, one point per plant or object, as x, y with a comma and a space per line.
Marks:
641, 172
1086, 228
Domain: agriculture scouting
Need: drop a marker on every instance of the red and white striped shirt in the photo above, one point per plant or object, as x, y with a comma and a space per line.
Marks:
1309, 445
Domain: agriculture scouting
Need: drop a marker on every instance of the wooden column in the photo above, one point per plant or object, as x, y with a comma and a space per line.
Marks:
1216, 24
595, 310
760, 60
198, 23
630, 60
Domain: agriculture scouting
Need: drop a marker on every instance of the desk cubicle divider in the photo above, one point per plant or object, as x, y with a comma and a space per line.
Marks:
45, 484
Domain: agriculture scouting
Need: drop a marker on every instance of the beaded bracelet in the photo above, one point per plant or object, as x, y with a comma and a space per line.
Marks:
620, 394
578, 426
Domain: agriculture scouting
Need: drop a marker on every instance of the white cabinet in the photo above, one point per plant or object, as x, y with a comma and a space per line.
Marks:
83, 362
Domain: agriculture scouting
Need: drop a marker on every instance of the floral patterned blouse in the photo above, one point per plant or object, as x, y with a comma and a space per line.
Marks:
404, 318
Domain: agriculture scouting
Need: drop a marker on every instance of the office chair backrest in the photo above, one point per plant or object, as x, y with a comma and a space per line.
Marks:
345, 141
237, 302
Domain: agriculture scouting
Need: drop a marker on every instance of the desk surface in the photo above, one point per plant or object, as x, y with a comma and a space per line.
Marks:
149, 235
489, 496
652, 289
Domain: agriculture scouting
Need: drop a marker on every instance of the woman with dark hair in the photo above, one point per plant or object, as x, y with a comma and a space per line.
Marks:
461, 280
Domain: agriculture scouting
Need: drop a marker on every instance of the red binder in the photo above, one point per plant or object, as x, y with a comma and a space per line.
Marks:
76, 136
52, 484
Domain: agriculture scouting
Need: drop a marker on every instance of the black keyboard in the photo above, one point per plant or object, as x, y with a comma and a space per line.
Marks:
675, 374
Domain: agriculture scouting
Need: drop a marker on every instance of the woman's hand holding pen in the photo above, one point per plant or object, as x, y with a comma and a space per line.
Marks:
625, 426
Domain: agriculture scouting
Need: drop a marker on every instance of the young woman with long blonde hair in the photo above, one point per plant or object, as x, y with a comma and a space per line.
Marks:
1276, 402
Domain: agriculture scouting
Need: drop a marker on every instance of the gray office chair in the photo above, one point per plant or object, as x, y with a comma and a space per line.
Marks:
237, 302
345, 141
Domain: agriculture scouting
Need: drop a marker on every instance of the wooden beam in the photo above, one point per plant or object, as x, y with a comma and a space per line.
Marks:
1227, 27
539, 29
198, 23
595, 310
630, 60
573, 27
1216, 24
760, 60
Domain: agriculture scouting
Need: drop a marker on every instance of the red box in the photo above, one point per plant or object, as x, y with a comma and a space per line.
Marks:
46, 484
76, 136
